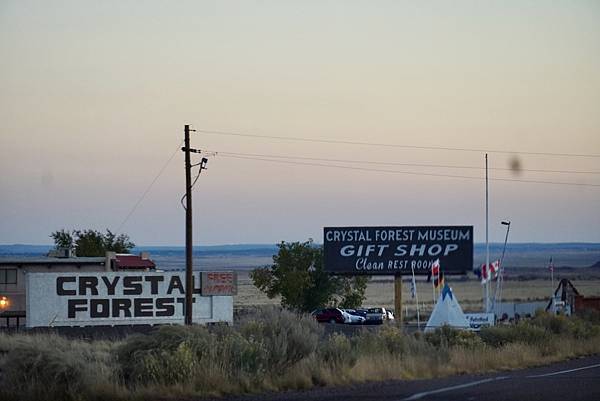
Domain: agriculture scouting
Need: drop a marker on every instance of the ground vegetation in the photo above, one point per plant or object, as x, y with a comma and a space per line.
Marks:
271, 349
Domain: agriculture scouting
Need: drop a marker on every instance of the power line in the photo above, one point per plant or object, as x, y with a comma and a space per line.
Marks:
148, 188
407, 172
403, 164
392, 145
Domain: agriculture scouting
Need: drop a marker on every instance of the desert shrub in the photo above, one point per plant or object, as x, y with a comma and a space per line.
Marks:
573, 326
178, 355
591, 316
162, 357
267, 342
337, 352
48, 367
287, 336
388, 340
525, 333
446, 337
552, 323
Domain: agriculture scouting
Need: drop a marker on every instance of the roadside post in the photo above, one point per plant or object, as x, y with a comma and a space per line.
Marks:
398, 298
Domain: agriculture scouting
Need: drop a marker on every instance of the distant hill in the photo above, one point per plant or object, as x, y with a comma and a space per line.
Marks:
518, 255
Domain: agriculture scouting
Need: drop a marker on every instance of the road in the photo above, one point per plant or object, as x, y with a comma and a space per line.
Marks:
577, 379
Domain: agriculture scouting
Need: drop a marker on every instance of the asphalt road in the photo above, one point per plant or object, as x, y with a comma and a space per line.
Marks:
574, 380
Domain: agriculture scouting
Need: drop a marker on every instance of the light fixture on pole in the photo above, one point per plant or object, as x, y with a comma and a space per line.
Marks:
499, 282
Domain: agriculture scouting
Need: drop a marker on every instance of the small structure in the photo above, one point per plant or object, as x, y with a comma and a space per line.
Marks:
447, 312
122, 261
567, 300
13, 272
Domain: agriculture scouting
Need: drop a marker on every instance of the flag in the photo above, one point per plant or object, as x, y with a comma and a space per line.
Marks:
435, 268
551, 265
484, 274
490, 271
494, 269
438, 277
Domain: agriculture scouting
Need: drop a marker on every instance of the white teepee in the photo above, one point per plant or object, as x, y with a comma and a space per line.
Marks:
448, 312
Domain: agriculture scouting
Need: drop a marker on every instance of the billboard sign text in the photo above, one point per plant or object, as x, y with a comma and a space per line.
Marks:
111, 298
392, 250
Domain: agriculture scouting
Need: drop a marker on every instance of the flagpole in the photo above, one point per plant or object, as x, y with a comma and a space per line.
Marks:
416, 297
487, 243
552, 275
433, 288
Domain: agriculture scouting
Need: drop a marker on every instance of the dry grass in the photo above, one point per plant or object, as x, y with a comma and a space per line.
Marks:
272, 350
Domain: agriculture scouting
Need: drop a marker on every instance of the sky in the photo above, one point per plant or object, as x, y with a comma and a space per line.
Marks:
94, 96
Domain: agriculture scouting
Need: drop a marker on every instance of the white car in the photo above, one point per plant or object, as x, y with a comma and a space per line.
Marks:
353, 318
378, 315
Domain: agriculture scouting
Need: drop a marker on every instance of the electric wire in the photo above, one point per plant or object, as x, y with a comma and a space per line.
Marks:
392, 145
407, 172
148, 188
403, 164
192, 186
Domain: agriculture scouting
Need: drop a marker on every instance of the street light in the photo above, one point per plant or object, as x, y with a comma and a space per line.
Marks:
498, 294
507, 224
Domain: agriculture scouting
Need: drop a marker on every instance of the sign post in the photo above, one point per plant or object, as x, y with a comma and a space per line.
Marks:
398, 298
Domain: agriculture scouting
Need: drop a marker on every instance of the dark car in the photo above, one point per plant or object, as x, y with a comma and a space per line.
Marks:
331, 315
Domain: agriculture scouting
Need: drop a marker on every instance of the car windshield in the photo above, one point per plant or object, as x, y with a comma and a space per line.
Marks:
375, 310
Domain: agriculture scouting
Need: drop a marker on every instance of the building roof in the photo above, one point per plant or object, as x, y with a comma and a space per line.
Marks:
53, 261
132, 262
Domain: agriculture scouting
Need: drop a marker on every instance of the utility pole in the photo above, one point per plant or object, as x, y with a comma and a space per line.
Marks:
189, 267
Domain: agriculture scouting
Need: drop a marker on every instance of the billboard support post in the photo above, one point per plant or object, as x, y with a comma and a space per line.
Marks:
398, 298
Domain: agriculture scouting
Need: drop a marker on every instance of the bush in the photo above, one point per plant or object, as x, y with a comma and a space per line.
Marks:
446, 337
288, 337
179, 355
388, 340
337, 352
525, 333
53, 368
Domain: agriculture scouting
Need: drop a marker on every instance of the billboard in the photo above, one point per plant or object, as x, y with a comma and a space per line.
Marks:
117, 298
397, 250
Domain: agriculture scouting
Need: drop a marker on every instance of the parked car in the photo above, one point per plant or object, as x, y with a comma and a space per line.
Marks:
378, 315
356, 317
331, 315
358, 312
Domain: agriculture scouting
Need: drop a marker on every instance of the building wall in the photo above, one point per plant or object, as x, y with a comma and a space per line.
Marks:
582, 303
16, 293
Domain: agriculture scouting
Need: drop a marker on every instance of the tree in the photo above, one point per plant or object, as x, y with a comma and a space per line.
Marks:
92, 242
62, 239
297, 276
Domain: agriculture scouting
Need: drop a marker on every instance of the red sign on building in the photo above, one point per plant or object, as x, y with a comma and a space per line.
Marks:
218, 283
